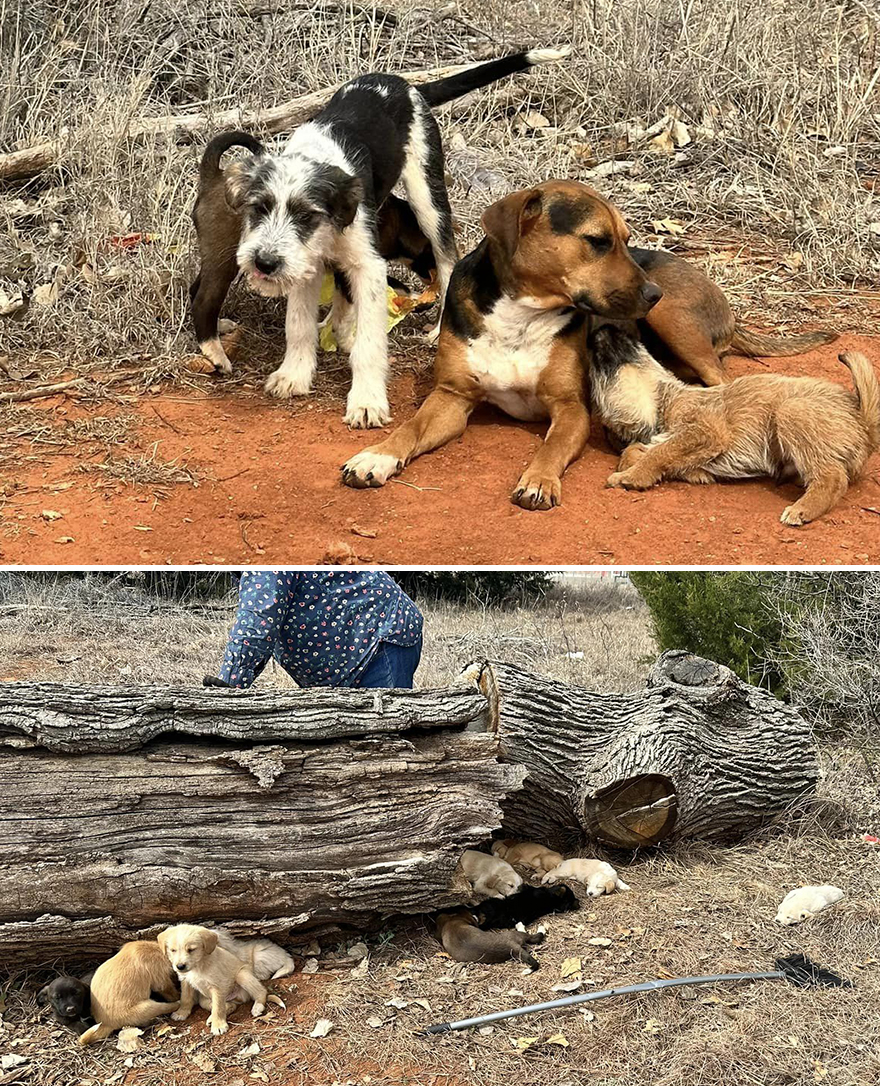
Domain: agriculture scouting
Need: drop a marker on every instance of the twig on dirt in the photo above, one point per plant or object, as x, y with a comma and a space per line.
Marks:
39, 393
226, 478
170, 425
414, 487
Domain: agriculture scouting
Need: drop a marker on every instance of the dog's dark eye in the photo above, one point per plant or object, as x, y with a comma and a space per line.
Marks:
598, 244
261, 208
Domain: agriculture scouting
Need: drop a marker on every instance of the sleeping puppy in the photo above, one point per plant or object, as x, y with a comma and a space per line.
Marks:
121, 987
526, 906
488, 875
528, 854
598, 876
207, 969
764, 424
463, 941
266, 959
70, 1001
804, 902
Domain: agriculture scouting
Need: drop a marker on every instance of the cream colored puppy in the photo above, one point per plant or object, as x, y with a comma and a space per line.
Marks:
803, 903
527, 854
121, 986
207, 969
598, 877
268, 961
489, 875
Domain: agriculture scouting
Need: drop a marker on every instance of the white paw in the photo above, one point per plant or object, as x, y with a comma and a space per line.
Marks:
180, 1016
369, 469
791, 515
225, 326
213, 351
367, 416
258, 1009
284, 385
217, 1027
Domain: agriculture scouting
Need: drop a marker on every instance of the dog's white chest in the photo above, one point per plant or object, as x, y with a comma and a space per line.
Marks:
509, 357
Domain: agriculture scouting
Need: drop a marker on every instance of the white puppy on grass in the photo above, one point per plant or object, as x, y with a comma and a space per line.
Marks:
804, 902
598, 876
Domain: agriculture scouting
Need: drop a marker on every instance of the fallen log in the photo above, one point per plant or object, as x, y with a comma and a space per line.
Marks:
698, 753
164, 814
29, 161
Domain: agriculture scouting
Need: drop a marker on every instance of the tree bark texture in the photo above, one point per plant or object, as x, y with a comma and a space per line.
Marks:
698, 753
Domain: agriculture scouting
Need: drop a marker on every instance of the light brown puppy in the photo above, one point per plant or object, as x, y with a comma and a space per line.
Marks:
463, 941
798, 427
121, 986
206, 969
527, 854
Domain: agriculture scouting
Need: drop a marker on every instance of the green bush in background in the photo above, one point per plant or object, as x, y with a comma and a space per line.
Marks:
722, 616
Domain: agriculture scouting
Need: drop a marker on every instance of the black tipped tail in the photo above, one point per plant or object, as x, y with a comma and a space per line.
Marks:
210, 164
445, 90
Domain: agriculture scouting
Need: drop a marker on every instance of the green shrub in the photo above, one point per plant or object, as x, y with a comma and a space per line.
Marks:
722, 616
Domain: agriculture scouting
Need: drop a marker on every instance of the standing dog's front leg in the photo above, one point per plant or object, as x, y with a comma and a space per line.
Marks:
368, 397
295, 374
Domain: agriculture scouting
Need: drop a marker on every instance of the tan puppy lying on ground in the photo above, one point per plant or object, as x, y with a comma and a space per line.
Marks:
598, 877
488, 875
463, 941
206, 969
267, 960
527, 854
121, 986
765, 424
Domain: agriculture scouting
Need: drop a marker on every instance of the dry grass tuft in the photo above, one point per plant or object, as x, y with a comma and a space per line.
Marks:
778, 180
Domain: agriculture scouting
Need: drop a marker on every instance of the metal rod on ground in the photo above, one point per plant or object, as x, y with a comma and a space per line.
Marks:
796, 969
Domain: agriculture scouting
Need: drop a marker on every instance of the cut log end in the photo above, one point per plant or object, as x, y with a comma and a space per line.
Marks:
631, 813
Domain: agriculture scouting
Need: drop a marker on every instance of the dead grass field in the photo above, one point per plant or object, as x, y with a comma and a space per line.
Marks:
693, 909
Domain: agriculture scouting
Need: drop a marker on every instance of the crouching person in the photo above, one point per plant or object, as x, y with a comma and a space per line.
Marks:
346, 628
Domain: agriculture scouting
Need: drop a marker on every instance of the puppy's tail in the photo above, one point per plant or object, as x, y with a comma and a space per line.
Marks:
868, 391
209, 167
444, 90
95, 1033
755, 345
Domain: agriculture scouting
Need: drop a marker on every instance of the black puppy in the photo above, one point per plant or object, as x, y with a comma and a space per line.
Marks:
525, 906
70, 1000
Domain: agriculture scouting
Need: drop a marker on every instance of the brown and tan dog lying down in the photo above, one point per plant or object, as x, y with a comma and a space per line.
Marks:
463, 941
803, 428
513, 329
121, 987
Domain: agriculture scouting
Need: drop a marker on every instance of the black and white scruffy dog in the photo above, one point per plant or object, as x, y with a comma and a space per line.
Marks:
313, 205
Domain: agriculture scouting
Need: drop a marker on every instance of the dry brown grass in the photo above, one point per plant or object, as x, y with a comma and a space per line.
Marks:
782, 196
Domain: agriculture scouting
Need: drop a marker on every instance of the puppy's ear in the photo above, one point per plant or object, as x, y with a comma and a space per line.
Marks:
341, 196
43, 996
236, 179
507, 220
161, 937
209, 940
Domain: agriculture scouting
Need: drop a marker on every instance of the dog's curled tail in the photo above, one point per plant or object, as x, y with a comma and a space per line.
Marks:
209, 167
445, 90
755, 345
868, 391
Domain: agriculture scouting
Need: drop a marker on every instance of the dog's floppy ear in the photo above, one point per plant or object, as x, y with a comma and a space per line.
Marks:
209, 940
341, 196
508, 219
236, 179
43, 996
161, 937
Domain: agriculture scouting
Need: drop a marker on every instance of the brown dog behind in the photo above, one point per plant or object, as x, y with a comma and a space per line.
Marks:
763, 424
121, 989
463, 941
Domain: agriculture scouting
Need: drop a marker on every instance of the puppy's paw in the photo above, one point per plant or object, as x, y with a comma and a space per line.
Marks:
367, 416
217, 1025
537, 492
284, 385
257, 1009
793, 517
370, 468
629, 480
180, 1016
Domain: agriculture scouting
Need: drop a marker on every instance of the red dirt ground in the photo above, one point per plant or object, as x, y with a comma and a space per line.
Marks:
269, 492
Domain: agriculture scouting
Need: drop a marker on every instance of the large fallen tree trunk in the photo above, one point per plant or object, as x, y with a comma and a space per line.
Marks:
698, 753
336, 819
17, 165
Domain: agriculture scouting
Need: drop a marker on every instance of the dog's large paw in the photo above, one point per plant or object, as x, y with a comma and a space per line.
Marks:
367, 416
217, 1026
629, 480
369, 469
212, 349
536, 492
793, 517
257, 1009
285, 385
